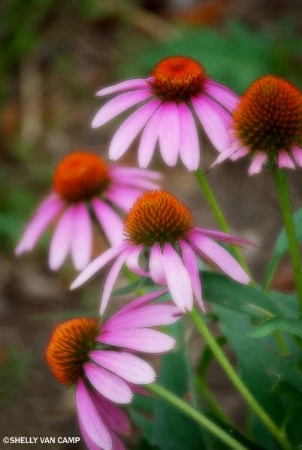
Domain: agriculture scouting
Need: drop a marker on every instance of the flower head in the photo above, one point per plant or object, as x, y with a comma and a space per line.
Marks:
83, 180
169, 105
160, 230
267, 124
97, 358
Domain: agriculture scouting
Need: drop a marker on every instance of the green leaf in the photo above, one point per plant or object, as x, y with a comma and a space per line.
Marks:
292, 326
281, 247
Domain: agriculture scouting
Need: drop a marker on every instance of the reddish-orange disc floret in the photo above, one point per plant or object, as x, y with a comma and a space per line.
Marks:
178, 78
80, 176
69, 347
269, 116
157, 217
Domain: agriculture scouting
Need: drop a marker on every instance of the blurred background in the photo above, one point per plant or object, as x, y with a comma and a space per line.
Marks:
54, 55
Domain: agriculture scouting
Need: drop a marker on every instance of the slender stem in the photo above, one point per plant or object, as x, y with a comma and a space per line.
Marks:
219, 216
197, 416
237, 382
287, 215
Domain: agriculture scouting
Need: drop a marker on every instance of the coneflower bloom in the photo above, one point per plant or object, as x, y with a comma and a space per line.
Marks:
97, 359
267, 125
83, 181
170, 105
161, 229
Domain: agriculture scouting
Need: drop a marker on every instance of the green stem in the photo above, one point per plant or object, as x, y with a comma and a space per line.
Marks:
197, 416
237, 382
287, 215
219, 216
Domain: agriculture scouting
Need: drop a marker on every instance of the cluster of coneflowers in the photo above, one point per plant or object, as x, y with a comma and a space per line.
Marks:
148, 229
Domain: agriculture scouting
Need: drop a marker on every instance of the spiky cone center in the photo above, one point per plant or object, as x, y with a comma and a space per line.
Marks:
69, 347
178, 78
157, 217
80, 176
269, 116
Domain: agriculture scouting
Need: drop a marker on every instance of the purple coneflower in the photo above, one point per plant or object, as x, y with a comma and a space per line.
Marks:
168, 106
82, 180
161, 229
97, 358
267, 125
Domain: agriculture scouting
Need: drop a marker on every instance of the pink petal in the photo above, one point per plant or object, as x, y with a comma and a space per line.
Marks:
123, 196
109, 220
124, 173
178, 279
285, 161
108, 384
111, 279
81, 244
297, 154
114, 416
191, 265
140, 340
97, 264
189, 148
137, 182
88, 442
132, 262
125, 365
215, 121
149, 138
156, 265
90, 419
47, 211
61, 239
135, 83
243, 151
257, 163
129, 129
221, 94
226, 262
117, 105
220, 235
134, 305
147, 316
169, 133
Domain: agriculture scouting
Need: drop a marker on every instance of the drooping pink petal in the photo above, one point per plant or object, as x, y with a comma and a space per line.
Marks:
156, 266
117, 105
137, 182
223, 156
97, 264
220, 235
123, 196
221, 257
178, 279
189, 146
110, 221
222, 94
285, 161
114, 416
88, 442
50, 207
132, 261
111, 279
81, 243
169, 133
139, 339
108, 384
124, 173
191, 265
297, 154
129, 129
257, 163
215, 121
90, 419
134, 83
149, 138
62, 238
146, 316
132, 306
243, 151
125, 365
